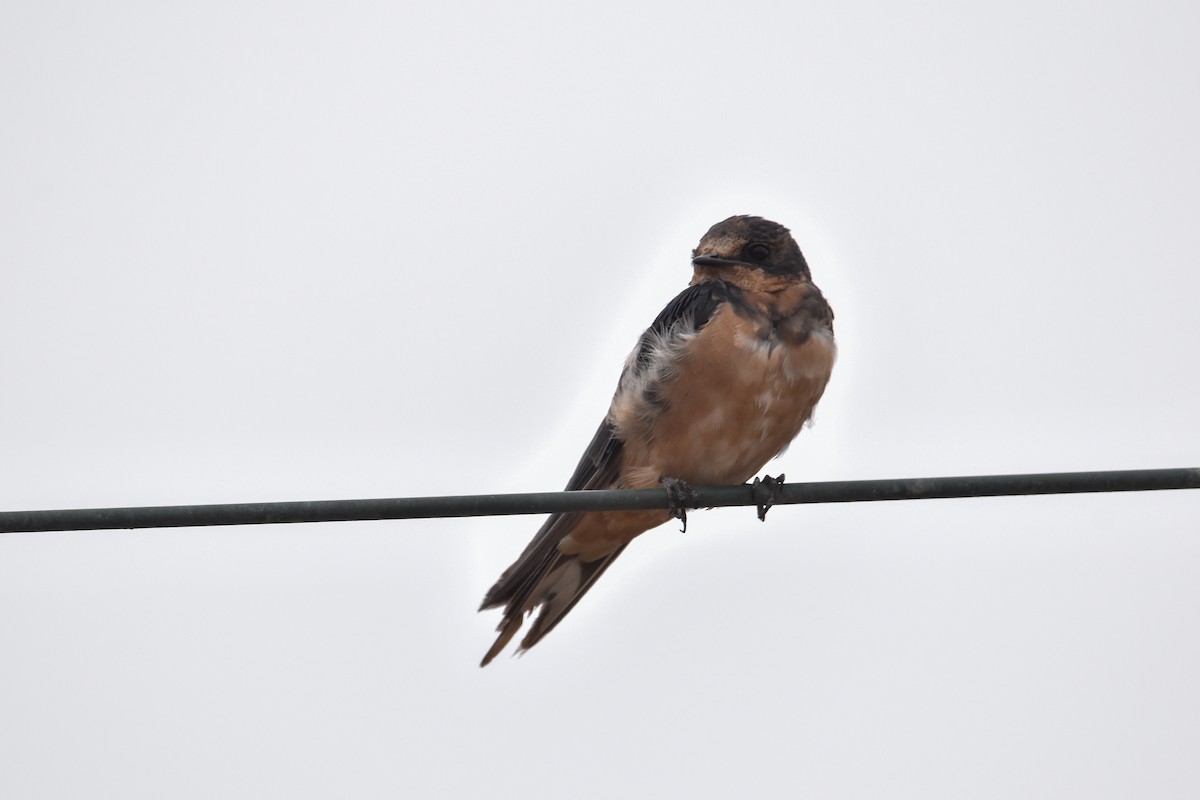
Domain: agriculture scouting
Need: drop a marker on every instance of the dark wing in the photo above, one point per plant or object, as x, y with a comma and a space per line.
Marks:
520, 588
598, 469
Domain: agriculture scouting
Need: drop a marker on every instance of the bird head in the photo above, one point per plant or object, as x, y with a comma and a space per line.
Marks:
751, 243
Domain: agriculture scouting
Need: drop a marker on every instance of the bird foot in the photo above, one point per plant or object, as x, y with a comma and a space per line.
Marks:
766, 492
680, 497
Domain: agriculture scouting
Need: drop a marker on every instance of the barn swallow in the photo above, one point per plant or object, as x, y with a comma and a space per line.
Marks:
720, 383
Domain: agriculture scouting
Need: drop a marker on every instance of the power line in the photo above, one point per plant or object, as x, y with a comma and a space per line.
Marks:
602, 500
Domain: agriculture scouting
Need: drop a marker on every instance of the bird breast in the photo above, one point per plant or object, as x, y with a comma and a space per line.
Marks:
736, 395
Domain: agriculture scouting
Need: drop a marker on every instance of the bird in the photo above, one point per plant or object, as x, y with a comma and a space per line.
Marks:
721, 382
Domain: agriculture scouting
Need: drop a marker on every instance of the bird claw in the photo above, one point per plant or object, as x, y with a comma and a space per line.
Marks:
766, 492
680, 497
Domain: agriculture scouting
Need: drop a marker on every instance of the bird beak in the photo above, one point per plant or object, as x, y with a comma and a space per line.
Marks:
713, 261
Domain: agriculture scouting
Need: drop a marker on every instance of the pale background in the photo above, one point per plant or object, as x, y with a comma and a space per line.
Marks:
283, 251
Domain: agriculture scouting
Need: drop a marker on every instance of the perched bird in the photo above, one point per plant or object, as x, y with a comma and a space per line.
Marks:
720, 383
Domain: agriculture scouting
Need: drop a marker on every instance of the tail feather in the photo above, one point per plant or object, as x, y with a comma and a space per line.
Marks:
546, 578
562, 588
542, 575
534, 562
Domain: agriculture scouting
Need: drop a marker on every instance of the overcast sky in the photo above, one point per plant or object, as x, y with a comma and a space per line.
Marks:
265, 251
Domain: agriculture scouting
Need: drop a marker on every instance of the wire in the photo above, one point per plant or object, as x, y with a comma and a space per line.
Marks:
600, 500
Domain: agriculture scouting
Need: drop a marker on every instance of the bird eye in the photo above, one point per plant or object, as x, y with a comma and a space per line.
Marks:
758, 252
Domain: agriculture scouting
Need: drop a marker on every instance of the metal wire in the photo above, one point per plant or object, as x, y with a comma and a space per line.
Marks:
606, 500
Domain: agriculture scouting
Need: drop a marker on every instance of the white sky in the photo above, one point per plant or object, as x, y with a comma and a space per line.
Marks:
258, 251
